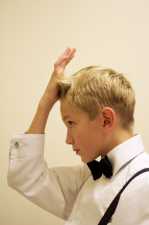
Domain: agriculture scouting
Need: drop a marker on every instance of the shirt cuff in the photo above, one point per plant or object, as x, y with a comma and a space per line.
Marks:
24, 145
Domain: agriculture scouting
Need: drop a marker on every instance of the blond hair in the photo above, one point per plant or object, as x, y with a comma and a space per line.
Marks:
95, 87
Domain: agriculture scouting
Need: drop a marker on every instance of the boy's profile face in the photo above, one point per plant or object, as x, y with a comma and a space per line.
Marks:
86, 136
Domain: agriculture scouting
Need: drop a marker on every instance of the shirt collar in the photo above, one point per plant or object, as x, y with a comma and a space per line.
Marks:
124, 152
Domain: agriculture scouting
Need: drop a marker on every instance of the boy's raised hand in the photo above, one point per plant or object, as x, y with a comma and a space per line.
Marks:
51, 92
63, 60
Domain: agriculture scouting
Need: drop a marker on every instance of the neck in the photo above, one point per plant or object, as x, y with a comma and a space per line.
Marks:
117, 138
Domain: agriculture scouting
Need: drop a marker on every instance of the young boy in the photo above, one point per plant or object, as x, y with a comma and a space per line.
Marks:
97, 107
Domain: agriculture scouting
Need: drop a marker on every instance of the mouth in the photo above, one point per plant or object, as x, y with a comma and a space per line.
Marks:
77, 151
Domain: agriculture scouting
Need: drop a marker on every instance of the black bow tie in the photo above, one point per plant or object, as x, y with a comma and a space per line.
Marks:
104, 167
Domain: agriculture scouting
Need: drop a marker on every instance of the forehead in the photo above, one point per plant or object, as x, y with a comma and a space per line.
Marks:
69, 110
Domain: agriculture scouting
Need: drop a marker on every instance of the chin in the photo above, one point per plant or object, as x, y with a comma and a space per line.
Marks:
86, 160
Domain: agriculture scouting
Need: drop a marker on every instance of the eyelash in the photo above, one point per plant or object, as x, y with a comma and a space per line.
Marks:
70, 123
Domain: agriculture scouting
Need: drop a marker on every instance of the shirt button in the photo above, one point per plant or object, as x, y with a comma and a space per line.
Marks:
16, 144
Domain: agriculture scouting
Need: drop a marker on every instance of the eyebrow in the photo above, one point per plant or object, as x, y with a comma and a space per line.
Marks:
65, 117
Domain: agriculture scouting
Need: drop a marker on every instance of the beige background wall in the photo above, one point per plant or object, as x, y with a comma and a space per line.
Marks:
32, 34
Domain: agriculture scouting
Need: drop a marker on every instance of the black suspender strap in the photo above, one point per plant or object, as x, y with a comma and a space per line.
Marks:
112, 207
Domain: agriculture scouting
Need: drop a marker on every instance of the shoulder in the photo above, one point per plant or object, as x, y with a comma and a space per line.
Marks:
142, 180
134, 201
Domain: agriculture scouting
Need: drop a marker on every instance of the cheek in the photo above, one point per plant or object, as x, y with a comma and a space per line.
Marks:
92, 140
84, 138
80, 136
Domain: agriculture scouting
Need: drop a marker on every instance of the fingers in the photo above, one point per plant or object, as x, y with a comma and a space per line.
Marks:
68, 53
64, 59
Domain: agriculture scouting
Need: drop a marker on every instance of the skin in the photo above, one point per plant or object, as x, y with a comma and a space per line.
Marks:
88, 138
92, 138
50, 95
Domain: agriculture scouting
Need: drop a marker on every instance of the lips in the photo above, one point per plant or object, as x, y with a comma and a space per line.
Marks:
76, 150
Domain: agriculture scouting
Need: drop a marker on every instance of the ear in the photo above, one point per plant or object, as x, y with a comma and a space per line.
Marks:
108, 117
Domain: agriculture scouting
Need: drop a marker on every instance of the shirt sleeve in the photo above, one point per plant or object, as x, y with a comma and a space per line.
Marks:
53, 189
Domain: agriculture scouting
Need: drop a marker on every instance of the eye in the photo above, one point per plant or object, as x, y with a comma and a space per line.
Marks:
70, 123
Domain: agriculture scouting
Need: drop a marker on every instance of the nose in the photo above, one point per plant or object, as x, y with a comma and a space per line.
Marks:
69, 139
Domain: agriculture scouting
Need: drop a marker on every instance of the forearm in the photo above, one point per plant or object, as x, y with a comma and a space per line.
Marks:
50, 95
39, 121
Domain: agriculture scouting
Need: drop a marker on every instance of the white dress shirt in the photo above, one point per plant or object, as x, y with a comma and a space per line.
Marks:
71, 193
